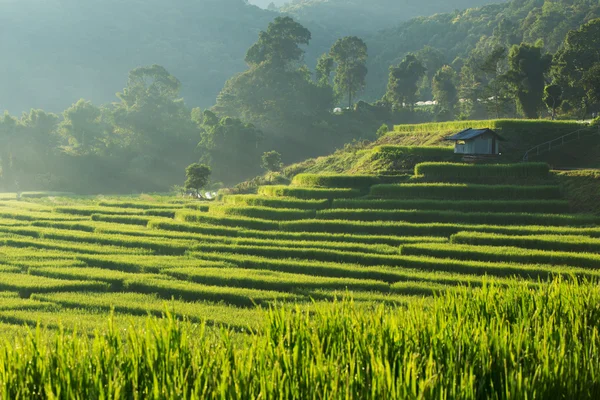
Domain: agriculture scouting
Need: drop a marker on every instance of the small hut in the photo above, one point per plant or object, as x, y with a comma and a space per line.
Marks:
477, 142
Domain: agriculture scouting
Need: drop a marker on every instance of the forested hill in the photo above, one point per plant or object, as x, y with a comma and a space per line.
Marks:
457, 34
359, 16
58, 51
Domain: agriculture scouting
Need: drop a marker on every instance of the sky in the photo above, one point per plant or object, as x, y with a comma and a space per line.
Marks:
265, 3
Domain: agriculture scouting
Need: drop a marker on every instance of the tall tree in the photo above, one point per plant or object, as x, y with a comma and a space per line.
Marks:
495, 89
432, 59
154, 120
350, 55
230, 147
403, 81
444, 90
280, 44
575, 62
82, 128
553, 98
324, 69
8, 138
528, 67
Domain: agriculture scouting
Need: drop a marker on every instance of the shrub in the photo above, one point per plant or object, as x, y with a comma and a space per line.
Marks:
271, 161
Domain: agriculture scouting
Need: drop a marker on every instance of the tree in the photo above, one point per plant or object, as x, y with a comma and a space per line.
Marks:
198, 176
280, 44
591, 83
271, 161
82, 128
284, 102
528, 67
496, 84
444, 89
576, 58
230, 147
553, 98
350, 55
324, 68
8, 138
432, 59
155, 124
403, 81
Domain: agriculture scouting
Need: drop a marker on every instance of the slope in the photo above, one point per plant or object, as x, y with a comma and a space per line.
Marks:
457, 33
63, 50
407, 145
360, 17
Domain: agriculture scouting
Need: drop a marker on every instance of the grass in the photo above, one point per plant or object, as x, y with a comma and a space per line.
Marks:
539, 242
274, 214
503, 254
260, 201
509, 206
532, 343
307, 193
458, 217
447, 191
456, 171
461, 274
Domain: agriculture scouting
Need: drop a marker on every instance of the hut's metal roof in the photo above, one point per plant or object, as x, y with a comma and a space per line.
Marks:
471, 133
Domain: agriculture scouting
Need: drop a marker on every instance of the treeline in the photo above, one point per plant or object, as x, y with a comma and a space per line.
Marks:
453, 38
145, 140
503, 80
359, 17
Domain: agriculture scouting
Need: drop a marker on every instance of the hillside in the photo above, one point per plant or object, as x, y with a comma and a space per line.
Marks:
408, 145
58, 51
359, 17
457, 33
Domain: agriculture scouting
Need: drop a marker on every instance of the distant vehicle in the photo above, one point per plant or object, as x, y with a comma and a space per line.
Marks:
337, 110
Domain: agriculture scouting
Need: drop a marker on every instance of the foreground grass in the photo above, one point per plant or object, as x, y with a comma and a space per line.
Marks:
498, 343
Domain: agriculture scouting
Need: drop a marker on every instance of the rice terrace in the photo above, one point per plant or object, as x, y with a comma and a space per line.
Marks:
460, 281
300, 199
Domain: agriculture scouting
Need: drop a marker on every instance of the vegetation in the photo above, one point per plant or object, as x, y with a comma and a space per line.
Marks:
180, 359
459, 280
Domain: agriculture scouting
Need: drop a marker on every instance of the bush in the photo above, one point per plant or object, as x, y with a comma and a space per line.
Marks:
271, 161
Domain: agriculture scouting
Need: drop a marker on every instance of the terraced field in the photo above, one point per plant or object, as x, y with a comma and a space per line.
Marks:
67, 260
